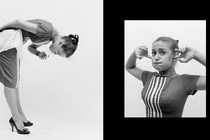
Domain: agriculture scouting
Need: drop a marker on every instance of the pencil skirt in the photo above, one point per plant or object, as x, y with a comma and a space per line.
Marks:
9, 68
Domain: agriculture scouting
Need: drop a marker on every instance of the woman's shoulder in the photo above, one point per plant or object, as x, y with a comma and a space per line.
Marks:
38, 21
43, 25
187, 77
188, 82
149, 73
146, 75
55, 32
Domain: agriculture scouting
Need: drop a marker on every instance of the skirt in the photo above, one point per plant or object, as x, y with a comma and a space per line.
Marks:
9, 68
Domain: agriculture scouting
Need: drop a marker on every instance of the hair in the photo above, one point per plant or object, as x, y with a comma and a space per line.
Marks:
70, 45
174, 43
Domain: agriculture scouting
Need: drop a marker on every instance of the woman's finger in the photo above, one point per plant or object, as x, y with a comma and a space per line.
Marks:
182, 60
143, 49
184, 49
140, 57
177, 56
41, 56
44, 54
181, 50
149, 56
176, 49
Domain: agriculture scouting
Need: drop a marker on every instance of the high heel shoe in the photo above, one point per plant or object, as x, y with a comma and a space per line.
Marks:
28, 123
24, 131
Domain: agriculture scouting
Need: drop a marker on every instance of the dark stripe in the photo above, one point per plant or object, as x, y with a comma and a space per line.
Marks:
155, 97
162, 86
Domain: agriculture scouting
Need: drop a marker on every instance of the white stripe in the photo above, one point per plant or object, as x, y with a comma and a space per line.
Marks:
153, 100
153, 94
145, 98
158, 111
149, 92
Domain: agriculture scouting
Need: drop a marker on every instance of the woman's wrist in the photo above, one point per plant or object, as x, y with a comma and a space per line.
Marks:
37, 54
195, 52
199, 57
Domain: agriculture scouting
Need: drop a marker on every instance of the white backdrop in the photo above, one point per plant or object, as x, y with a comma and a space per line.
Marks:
145, 32
62, 97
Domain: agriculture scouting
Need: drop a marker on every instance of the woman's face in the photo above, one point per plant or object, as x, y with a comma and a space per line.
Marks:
162, 56
56, 47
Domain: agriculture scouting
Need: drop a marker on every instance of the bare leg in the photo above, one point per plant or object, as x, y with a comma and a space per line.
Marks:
17, 94
11, 98
20, 110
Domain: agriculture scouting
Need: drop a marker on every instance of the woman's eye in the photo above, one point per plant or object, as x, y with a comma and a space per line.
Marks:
153, 53
162, 52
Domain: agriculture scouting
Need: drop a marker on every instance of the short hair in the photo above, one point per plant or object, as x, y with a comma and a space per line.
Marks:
174, 43
70, 44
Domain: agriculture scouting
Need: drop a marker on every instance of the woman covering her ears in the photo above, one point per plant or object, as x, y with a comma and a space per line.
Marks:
165, 92
40, 32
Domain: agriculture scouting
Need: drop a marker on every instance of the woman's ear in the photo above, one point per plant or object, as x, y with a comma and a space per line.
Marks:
176, 56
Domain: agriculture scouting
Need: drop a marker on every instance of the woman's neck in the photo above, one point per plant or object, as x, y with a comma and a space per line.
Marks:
55, 35
167, 72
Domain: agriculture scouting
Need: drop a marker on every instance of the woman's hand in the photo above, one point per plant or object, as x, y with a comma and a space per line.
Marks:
42, 55
142, 51
186, 54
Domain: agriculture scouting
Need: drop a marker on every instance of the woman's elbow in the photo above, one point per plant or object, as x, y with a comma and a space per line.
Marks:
201, 83
127, 67
17, 22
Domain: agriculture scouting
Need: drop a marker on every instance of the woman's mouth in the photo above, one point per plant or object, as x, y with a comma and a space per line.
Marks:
157, 63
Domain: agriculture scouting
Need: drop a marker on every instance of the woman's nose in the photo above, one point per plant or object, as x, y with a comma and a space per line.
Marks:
157, 57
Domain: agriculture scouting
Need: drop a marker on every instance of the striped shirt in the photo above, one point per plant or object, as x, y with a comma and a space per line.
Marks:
166, 96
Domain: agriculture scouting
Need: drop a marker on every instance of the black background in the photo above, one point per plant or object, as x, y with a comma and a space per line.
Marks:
115, 125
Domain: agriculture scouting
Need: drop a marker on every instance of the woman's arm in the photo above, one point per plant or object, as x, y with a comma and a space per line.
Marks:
188, 53
33, 49
131, 67
201, 83
20, 24
131, 62
199, 57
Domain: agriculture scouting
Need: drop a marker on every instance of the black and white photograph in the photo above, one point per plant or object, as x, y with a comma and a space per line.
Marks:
165, 68
51, 70
98, 69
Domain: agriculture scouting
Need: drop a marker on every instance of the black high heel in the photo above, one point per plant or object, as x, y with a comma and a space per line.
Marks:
12, 123
28, 123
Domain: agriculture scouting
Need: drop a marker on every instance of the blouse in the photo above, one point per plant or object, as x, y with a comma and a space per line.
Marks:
166, 96
44, 34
